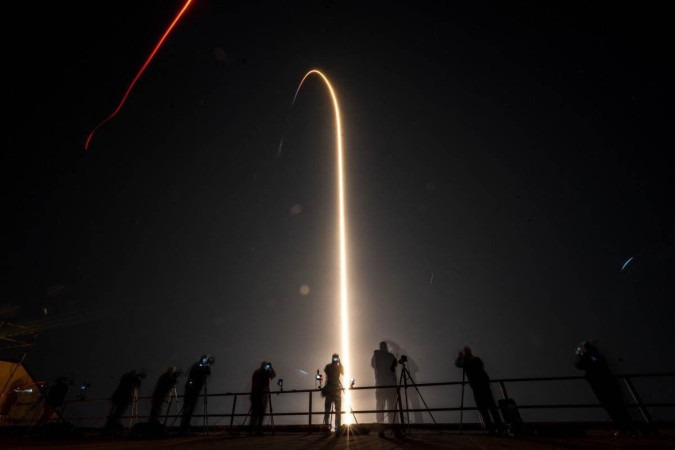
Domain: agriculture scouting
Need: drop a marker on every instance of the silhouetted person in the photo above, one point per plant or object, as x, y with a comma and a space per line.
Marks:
332, 391
193, 386
260, 392
605, 386
124, 394
54, 399
165, 383
384, 362
479, 381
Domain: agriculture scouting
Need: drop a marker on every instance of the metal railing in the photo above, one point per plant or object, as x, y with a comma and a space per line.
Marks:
287, 407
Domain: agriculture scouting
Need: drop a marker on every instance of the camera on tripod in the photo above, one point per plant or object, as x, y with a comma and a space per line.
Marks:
403, 359
318, 376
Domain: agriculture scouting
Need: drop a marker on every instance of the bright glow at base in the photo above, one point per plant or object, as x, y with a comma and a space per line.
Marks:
342, 225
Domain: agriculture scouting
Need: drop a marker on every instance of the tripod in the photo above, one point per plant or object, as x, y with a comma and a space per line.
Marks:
172, 395
350, 406
190, 401
205, 419
405, 376
252, 421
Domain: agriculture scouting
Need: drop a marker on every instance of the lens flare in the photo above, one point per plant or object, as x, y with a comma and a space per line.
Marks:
342, 226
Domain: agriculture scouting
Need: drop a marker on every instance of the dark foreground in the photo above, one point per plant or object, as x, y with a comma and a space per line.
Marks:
416, 439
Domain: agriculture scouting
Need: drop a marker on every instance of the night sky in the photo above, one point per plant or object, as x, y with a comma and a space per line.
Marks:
503, 161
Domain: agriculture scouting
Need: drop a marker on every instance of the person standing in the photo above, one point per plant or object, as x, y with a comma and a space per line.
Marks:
260, 393
54, 400
332, 391
479, 381
384, 363
125, 393
197, 376
604, 386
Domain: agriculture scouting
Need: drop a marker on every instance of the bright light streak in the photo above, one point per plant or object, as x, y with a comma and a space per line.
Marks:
625, 264
342, 225
140, 72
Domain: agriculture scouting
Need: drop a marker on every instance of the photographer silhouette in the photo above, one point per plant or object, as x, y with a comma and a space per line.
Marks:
124, 394
197, 376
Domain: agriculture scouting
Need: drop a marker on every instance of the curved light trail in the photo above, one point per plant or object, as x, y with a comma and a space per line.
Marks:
342, 226
138, 75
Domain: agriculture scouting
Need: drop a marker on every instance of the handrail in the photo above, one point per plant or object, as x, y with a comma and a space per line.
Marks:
636, 401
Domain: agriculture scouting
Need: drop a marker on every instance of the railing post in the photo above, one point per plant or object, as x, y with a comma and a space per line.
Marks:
638, 401
234, 405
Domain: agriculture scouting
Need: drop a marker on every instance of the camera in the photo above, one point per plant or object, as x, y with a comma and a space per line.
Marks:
83, 390
267, 367
403, 359
318, 375
336, 359
207, 360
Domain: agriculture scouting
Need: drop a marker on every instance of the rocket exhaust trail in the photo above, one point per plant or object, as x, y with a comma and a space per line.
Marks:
342, 244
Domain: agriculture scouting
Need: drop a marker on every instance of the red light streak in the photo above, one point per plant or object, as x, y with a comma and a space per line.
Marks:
140, 72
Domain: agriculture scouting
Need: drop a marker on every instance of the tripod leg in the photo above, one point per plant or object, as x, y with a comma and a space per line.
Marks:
179, 413
420, 394
399, 410
269, 394
461, 404
206, 415
134, 408
407, 404
248, 418
168, 402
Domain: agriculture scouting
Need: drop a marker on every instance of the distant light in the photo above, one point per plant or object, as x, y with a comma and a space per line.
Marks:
304, 289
